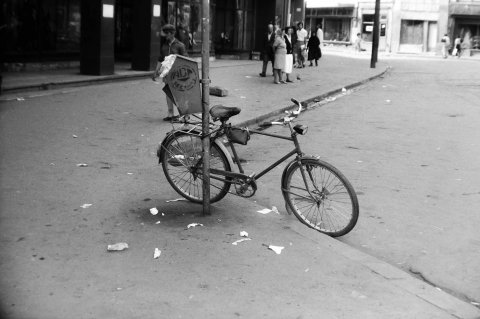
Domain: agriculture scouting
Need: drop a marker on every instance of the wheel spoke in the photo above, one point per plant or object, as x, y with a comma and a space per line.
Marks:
333, 209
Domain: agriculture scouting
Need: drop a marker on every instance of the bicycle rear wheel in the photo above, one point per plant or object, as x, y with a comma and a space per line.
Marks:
331, 206
182, 165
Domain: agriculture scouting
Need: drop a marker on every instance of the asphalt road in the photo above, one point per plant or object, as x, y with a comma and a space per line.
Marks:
409, 143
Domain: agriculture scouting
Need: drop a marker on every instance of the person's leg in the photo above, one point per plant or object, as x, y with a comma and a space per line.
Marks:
264, 65
281, 77
316, 62
170, 110
276, 76
288, 78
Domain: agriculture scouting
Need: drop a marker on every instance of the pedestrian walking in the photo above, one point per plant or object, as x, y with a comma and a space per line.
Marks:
314, 51
445, 45
267, 53
319, 33
358, 43
289, 57
300, 45
280, 48
457, 47
170, 46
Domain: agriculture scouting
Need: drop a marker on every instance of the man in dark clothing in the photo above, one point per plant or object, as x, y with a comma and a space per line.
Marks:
268, 53
170, 46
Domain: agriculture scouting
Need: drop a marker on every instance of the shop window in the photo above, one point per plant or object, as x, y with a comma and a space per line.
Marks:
186, 16
40, 28
233, 25
411, 32
336, 29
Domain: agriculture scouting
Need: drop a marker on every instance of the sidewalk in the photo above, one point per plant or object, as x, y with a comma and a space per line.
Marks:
199, 274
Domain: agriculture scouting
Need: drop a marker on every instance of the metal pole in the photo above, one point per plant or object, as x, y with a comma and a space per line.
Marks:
205, 104
376, 34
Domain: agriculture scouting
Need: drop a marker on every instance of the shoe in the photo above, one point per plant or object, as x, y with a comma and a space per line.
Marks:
311, 64
276, 82
171, 118
290, 81
262, 75
283, 82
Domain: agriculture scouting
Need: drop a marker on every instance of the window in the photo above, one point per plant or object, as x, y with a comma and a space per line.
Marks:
411, 32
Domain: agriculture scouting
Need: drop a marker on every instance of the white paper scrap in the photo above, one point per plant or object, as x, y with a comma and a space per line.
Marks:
275, 210
243, 234
264, 211
157, 253
117, 247
154, 211
175, 200
276, 249
193, 225
82, 165
157, 222
240, 240
86, 205
74, 136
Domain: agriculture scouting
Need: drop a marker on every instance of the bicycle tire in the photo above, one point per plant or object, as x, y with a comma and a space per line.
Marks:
180, 162
334, 210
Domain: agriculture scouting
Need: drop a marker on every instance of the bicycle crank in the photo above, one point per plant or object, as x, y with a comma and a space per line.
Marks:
245, 188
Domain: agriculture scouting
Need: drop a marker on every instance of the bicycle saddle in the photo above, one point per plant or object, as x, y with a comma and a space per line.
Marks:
223, 113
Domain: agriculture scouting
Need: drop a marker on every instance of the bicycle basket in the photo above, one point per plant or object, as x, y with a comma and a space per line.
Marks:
238, 135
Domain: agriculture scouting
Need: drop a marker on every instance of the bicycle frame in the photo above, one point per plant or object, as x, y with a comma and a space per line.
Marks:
296, 150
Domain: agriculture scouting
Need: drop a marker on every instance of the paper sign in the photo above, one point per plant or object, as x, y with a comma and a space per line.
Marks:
108, 11
156, 10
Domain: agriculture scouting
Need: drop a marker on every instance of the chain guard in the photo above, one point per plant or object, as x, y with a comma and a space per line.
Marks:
245, 188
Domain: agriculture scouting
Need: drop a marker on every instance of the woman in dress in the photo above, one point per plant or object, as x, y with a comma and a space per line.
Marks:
289, 57
280, 49
314, 52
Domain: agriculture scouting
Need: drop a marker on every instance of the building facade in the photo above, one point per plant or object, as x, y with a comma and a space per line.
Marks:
406, 26
68, 30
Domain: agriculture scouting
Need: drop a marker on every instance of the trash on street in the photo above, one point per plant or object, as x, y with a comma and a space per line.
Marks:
243, 234
74, 136
276, 249
175, 200
275, 210
264, 211
82, 165
344, 90
240, 240
117, 247
86, 205
154, 211
158, 222
157, 253
193, 225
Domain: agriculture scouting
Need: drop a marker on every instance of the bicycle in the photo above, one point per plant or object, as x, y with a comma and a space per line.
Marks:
316, 192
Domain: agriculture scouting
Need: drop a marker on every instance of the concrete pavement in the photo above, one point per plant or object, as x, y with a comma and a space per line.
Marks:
54, 261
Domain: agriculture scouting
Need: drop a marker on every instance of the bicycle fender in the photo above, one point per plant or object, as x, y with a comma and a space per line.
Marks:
292, 162
161, 147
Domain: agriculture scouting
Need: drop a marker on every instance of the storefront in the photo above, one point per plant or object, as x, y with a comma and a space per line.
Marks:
36, 30
464, 23
44, 31
336, 23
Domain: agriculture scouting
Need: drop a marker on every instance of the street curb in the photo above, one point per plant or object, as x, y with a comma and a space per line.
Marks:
76, 83
93, 81
309, 101
400, 279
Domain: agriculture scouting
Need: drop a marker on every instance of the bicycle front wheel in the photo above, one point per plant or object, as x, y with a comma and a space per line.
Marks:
321, 197
183, 167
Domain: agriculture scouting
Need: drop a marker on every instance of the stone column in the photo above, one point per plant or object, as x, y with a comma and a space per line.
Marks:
97, 37
146, 34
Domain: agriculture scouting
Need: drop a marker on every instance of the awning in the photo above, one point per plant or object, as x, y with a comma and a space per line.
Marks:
329, 4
